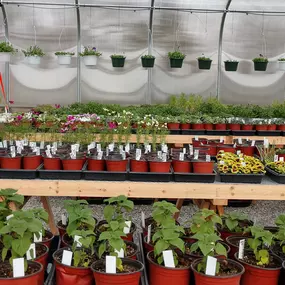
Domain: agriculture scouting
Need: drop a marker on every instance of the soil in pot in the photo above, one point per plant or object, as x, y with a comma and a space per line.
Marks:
173, 126
181, 166
233, 242
159, 166
267, 275
95, 164
159, 274
53, 163
138, 165
47, 238
8, 162
200, 166
130, 275
42, 254
32, 161
277, 250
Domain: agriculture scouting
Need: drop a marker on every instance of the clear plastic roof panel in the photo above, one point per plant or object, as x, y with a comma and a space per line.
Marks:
257, 5
193, 4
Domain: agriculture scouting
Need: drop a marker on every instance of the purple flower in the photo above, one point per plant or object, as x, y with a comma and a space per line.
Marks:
19, 117
94, 48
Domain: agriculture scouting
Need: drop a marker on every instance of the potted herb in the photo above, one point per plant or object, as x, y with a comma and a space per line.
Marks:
118, 60
261, 124
148, 61
281, 62
208, 122
260, 63
90, 55
204, 62
173, 122
176, 59
231, 65
196, 123
219, 124
234, 123
34, 54
6, 49
247, 124
185, 122
63, 57
259, 261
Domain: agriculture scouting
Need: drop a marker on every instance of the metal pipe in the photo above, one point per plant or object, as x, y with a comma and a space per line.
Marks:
78, 51
220, 50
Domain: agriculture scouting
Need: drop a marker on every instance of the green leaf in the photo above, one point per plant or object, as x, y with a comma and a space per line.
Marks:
109, 212
178, 243
231, 224
220, 249
4, 253
20, 246
104, 236
160, 246
102, 249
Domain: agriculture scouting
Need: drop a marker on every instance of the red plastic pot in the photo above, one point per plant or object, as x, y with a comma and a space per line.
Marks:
181, 166
138, 165
203, 279
203, 166
11, 162
61, 230
102, 278
96, 164
220, 127
43, 259
198, 127
147, 246
225, 234
234, 127
173, 126
271, 127
197, 143
208, 127
214, 142
47, 238
247, 127
159, 275
247, 150
212, 149
160, 166
33, 279
32, 162
281, 127
116, 165
281, 155
257, 275
52, 163
231, 241
261, 127
185, 126
226, 148
73, 164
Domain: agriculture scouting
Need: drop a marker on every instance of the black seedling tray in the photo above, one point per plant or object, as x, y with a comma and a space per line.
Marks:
18, 173
150, 176
195, 177
174, 132
218, 132
269, 133
243, 133
241, 178
275, 176
193, 132
59, 174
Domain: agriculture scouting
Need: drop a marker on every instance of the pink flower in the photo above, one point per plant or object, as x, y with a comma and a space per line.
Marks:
19, 117
57, 106
112, 125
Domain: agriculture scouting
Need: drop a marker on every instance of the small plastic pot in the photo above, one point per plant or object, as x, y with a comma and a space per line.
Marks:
281, 127
173, 126
116, 165
203, 166
260, 66
32, 162
208, 127
47, 238
271, 127
147, 62
42, 259
11, 162
204, 64
33, 279
198, 127
102, 278
118, 62
220, 127
181, 166
231, 65
258, 275
232, 242
246, 149
197, 143
73, 164
52, 163
247, 127
138, 165
211, 149
185, 126
226, 148
234, 127
203, 279
159, 275
261, 127
96, 164
176, 62
160, 166
67, 275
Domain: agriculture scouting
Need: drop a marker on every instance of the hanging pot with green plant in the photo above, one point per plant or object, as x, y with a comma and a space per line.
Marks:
260, 63
6, 49
64, 58
231, 65
34, 54
281, 63
90, 55
204, 62
148, 61
118, 60
176, 59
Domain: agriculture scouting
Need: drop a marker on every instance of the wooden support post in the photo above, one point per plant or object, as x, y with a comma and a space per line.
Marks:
179, 205
51, 222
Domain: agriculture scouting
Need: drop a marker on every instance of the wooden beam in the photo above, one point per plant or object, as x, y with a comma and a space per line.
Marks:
179, 204
51, 222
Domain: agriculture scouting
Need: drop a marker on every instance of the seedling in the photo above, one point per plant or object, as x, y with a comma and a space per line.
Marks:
236, 222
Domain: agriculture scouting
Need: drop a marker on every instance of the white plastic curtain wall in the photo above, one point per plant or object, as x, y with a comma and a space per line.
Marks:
126, 32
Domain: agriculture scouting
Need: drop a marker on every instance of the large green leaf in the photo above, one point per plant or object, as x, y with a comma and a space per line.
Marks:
178, 243
160, 246
231, 224
20, 246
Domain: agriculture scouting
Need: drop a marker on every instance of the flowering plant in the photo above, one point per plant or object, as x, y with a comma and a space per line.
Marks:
88, 50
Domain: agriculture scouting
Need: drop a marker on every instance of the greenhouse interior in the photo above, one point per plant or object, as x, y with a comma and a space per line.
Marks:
142, 142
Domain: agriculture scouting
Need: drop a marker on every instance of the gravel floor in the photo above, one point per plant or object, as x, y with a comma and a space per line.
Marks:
262, 212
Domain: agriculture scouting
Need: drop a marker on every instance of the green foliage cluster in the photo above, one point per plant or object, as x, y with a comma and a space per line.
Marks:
58, 53
117, 56
33, 51
176, 55
7, 47
90, 51
236, 222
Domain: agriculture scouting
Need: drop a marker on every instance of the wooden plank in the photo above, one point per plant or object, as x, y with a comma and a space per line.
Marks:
219, 202
51, 222
179, 205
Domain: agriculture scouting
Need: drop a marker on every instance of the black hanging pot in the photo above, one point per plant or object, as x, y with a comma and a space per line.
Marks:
260, 66
118, 61
205, 64
176, 62
231, 65
148, 62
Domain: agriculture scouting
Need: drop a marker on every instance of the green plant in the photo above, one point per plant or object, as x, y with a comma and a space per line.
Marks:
231, 60
281, 59
261, 58
117, 56
7, 47
58, 53
90, 51
236, 222
148, 56
33, 51
266, 153
176, 55
203, 58
163, 212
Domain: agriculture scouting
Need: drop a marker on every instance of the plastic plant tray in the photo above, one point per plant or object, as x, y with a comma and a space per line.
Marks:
269, 133
195, 177
150, 177
19, 173
193, 132
60, 174
218, 132
241, 178
174, 132
275, 176
243, 133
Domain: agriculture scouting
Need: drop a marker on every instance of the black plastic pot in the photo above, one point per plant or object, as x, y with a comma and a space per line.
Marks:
275, 176
260, 66
176, 62
118, 62
205, 64
231, 65
148, 62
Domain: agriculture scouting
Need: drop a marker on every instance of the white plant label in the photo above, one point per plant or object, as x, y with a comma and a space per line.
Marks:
42, 145
184, 150
18, 267
111, 147
208, 158
143, 219
243, 164
100, 155
127, 148
281, 158
181, 156
9, 217
1, 145
241, 249
107, 151
60, 143
19, 150
266, 143
48, 154
238, 152
67, 257
111, 264
64, 219
38, 151
239, 141
159, 154
127, 229
148, 234
124, 155
191, 151
168, 258
164, 157
5, 143
31, 253
148, 148
120, 253
222, 162
221, 139
235, 145
164, 148
196, 154
196, 138
275, 157
211, 266
76, 240
77, 147
39, 238
99, 147
121, 149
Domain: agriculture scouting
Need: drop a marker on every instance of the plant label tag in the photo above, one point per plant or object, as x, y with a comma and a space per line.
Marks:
111, 147
164, 157
31, 253
60, 143
281, 158
1, 145
196, 138
64, 219
221, 139
92, 145
184, 150
18, 267
222, 162
4, 143
143, 220
127, 229
164, 148
127, 148
196, 154
77, 147
42, 145
208, 158
235, 145
124, 155
238, 152
99, 147
107, 151
168, 258
38, 238
19, 150
211, 266
100, 155
138, 152
247, 139
148, 148
275, 158
241, 249
181, 156
38, 151
48, 154
76, 240
67, 257
120, 253
239, 141
121, 149
25, 142
148, 234
191, 151
111, 264
48, 147
9, 217
266, 143
159, 154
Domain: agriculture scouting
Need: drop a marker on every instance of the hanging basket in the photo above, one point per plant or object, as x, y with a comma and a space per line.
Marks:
5, 56
281, 65
204, 64
64, 59
260, 66
90, 60
34, 60
148, 62
176, 62
118, 62
231, 66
